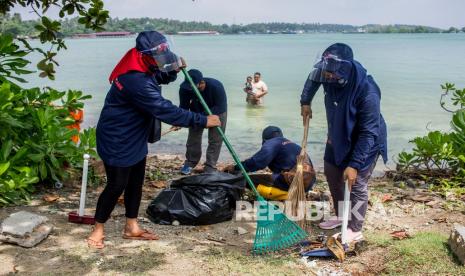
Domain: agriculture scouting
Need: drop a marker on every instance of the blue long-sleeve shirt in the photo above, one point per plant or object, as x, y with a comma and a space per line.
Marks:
368, 137
123, 126
278, 154
214, 95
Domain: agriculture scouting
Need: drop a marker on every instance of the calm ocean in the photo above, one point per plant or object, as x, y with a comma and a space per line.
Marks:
409, 69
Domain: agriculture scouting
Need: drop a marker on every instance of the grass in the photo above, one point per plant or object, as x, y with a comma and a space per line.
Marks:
223, 261
138, 262
426, 253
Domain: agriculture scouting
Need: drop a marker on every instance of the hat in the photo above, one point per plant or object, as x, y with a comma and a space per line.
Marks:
341, 50
149, 39
271, 132
196, 77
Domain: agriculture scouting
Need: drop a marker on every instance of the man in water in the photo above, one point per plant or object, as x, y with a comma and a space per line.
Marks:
214, 94
279, 154
356, 130
259, 88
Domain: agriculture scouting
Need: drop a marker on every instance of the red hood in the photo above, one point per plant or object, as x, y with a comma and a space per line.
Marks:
133, 60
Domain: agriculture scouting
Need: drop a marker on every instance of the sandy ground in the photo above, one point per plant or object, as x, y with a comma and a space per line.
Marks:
213, 249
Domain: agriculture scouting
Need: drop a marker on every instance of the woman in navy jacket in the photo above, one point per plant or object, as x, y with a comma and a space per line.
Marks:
132, 107
356, 129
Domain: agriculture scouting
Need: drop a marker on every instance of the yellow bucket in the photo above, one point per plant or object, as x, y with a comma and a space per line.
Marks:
271, 193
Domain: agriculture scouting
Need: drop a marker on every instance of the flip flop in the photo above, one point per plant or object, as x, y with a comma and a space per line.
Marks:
91, 243
144, 235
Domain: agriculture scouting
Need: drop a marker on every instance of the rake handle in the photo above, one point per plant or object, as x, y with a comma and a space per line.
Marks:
220, 131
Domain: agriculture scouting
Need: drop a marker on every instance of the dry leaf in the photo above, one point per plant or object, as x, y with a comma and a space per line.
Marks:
433, 203
121, 200
421, 198
386, 198
400, 235
51, 198
158, 184
441, 220
203, 228
336, 248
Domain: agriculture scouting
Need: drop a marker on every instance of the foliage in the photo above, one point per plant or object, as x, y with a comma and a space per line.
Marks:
440, 157
401, 29
424, 252
91, 16
71, 26
35, 138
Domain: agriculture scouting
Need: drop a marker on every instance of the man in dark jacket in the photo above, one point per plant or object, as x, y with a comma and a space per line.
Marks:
356, 129
214, 95
133, 103
278, 154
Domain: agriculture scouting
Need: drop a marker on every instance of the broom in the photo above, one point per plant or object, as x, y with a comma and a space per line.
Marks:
274, 230
296, 195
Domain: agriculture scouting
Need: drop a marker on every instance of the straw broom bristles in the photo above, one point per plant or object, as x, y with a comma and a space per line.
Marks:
296, 195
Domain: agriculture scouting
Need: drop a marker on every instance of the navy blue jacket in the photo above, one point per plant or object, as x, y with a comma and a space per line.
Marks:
356, 128
213, 94
278, 154
124, 123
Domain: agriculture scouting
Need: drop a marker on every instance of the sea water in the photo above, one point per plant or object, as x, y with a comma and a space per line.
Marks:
409, 68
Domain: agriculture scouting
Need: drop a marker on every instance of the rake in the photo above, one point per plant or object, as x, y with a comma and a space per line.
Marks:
274, 230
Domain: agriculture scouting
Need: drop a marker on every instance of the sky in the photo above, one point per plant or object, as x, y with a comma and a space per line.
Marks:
436, 13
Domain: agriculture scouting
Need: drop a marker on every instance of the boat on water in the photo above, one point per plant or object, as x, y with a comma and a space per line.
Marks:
199, 33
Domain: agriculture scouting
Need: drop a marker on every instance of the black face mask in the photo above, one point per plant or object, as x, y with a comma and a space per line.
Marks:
165, 78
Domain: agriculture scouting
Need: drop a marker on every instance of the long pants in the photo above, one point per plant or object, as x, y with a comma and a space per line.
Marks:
121, 179
358, 194
194, 145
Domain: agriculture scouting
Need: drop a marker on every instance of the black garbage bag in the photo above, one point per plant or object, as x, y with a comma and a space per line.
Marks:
197, 200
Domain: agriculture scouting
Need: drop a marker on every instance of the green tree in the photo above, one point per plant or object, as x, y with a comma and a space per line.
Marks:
35, 144
91, 15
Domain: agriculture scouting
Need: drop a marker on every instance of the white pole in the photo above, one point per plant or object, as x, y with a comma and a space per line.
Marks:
345, 213
82, 202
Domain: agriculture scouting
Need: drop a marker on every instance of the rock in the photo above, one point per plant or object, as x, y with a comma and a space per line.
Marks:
326, 196
457, 242
21, 223
25, 229
241, 231
313, 196
411, 183
31, 240
175, 223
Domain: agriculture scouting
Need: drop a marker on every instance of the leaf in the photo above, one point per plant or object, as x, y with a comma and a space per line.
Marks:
4, 167
51, 198
400, 235
36, 157
386, 198
6, 149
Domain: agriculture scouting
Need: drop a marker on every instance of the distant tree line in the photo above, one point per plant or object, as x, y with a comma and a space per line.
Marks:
14, 25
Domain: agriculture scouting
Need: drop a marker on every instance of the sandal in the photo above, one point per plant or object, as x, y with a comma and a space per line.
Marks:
144, 235
95, 244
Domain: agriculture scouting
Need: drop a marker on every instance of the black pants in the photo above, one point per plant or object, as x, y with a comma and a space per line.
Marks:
194, 144
121, 179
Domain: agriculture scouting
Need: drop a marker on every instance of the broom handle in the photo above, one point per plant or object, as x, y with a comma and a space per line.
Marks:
85, 169
304, 140
220, 131
345, 213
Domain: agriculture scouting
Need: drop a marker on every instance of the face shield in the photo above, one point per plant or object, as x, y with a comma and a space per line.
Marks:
331, 69
166, 60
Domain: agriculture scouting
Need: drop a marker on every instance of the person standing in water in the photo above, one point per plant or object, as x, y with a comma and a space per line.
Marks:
259, 88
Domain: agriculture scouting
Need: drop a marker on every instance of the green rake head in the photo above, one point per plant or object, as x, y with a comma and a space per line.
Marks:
274, 230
